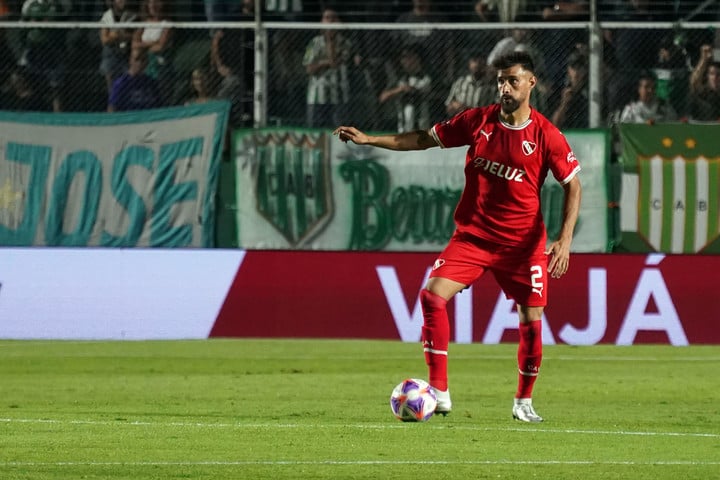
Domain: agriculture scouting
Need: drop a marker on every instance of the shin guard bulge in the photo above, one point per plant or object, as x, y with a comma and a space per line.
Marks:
435, 337
529, 357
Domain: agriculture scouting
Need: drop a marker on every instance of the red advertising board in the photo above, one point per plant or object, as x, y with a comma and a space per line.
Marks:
604, 298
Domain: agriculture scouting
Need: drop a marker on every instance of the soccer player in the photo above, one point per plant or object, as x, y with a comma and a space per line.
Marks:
499, 225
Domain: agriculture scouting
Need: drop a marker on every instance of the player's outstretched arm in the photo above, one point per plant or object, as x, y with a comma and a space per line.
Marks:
416, 140
560, 248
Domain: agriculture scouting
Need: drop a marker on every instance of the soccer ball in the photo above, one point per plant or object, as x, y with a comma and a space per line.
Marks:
413, 400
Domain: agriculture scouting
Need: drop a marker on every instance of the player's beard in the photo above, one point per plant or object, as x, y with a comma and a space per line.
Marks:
509, 104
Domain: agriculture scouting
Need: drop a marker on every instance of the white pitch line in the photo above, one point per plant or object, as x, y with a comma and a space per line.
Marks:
546, 357
359, 426
355, 462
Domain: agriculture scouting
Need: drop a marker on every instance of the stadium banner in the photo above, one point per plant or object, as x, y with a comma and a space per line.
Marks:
61, 293
305, 189
670, 201
132, 179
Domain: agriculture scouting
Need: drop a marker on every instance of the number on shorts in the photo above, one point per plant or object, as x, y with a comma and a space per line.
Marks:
535, 276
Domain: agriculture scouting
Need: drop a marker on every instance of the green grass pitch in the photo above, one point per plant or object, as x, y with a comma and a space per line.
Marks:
319, 409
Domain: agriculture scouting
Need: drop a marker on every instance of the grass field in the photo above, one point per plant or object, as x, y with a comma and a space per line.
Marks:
275, 409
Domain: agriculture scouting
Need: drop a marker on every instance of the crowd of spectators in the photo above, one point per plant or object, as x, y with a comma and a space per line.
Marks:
382, 79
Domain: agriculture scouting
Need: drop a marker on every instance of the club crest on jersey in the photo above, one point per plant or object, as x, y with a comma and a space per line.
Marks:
438, 263
571, 157
528, 147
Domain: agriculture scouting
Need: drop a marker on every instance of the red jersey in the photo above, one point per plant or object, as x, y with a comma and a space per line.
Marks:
505, 168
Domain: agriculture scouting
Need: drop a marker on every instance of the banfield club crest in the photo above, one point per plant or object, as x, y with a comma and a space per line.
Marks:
673, 173
678, 202
293, 185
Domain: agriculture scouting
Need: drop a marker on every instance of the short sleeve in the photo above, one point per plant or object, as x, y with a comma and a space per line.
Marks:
456, 131
563, 162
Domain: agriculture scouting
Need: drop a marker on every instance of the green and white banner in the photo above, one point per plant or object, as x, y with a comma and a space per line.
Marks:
135, 179
304, 189
671, 178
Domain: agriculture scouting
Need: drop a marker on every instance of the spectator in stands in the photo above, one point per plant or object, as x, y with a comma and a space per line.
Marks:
561, 41
691, 39
289, 78
629, 51
200, 86
157, 42
135, 90
24, 94
409, 92
705, 88
326, 63
477, 88
364, 87
116, 42
573, 110
648, 108
484, 11
231, 88
673, 74
232, 58
43, 49
442, 68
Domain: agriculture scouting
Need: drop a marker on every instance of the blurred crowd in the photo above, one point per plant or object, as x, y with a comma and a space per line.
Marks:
379, 78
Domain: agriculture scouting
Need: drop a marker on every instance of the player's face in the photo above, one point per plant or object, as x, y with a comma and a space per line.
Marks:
514, 85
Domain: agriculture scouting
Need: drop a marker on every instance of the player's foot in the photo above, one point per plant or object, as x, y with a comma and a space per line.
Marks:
444, 404
524, 411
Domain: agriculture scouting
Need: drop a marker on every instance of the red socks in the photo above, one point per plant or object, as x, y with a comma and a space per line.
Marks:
435, 337
529, 357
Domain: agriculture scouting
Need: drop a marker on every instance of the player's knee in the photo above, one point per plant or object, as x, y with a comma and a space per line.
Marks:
431, 301
530, 314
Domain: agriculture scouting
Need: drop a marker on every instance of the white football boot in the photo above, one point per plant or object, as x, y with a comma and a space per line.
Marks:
524, 411
444, 404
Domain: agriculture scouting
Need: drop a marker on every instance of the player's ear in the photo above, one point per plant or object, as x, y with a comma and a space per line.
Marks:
533, 81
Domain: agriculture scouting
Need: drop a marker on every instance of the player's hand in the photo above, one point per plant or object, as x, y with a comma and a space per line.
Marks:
560, 260
351, 134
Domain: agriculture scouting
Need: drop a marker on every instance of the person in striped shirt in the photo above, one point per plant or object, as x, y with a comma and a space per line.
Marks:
326, 63
475, 89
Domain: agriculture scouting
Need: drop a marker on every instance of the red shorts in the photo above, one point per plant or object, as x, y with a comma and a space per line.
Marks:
520, 271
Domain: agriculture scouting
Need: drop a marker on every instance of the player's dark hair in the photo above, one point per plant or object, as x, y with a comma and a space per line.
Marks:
515, 58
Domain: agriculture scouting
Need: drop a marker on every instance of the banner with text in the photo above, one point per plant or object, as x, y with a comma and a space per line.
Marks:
67, 293
620, 299
134, 179
304, 189
670, 201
